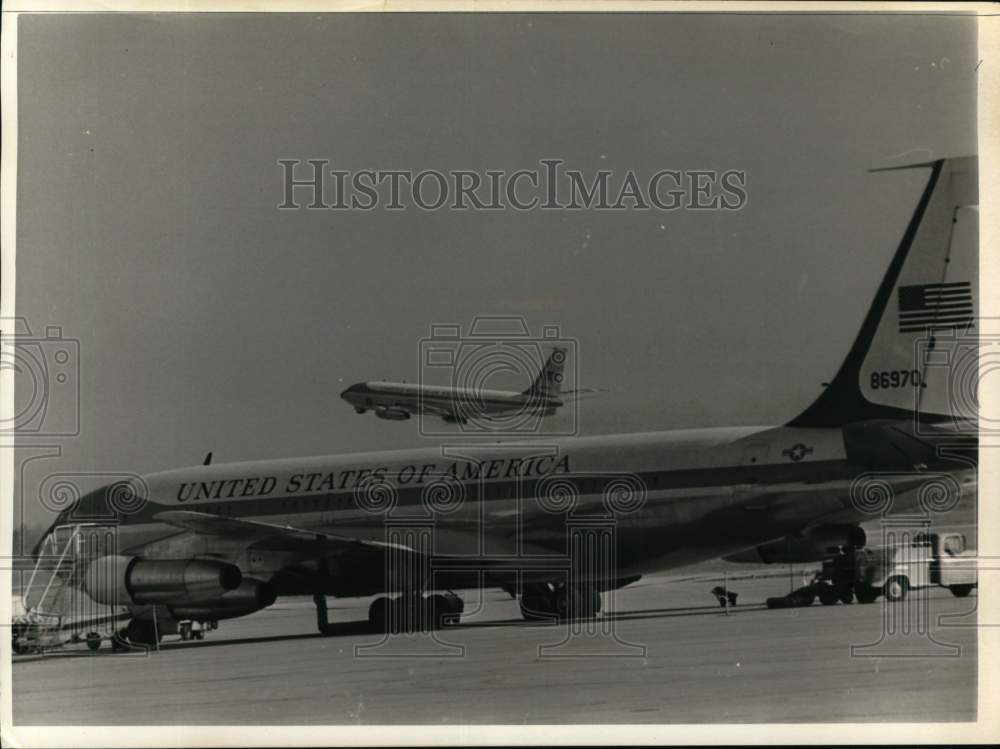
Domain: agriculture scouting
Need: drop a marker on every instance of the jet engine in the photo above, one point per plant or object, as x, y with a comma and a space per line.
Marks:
812, 545
250, 596
392, 414
120, 580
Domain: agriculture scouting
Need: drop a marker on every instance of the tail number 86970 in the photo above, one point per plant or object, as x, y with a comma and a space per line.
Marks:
896, 378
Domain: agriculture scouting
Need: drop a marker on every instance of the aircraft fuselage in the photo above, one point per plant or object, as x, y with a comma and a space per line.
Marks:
406, 398
671, 498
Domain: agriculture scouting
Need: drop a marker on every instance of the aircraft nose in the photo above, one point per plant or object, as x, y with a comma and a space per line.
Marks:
350, 391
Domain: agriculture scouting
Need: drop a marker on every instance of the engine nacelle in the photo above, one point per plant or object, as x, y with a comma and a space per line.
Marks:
814, 545
120, 580
392, 414
249, 597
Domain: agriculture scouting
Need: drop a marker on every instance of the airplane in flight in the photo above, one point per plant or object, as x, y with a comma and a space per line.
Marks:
398, 401
223, 540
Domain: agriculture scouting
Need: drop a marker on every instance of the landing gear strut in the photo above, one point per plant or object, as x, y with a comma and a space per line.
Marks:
414, 612
322, 620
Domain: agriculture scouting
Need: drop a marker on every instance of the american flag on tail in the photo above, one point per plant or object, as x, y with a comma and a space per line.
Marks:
935, 306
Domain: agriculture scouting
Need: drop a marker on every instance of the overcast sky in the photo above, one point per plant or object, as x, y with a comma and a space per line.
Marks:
208, 320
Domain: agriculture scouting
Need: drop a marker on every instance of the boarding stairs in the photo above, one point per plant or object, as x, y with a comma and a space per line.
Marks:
57, 610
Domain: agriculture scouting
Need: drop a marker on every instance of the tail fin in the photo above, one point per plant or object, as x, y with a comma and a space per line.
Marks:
548, 383
930, 291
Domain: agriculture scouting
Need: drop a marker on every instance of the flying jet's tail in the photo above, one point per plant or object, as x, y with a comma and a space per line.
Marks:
549, 381
923, 312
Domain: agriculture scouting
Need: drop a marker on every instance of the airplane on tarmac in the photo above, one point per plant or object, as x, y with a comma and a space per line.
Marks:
216, 541
397, 401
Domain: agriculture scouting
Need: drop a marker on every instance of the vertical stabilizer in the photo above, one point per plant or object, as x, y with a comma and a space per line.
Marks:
929, 293
548, 383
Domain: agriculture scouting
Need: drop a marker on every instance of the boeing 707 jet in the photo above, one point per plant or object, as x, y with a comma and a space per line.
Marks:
398, 401
224, 540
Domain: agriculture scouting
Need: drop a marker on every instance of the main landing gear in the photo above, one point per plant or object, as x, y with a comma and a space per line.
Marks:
138, 633
407, 613
544, 601
415, 613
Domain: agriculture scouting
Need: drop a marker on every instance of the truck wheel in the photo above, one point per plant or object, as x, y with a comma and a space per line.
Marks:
895, 588
865, 594
93, 641
960, 591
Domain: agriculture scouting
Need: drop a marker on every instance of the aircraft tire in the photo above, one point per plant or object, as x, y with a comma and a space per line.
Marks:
142, 633
378, 614
960, 591
93, 641
445, 609
404, 616
582, 602
439, 608
536, 607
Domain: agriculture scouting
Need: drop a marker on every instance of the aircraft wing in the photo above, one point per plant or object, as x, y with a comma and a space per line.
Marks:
287, 538
582, 393
431, 409
253, 530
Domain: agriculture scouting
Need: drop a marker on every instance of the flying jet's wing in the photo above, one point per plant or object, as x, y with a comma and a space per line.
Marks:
253, 530
582, 393
433, 410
